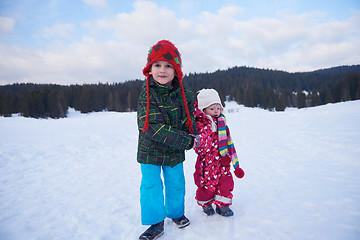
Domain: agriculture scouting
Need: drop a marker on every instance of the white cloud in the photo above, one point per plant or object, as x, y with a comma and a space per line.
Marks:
6, 25
58, 30
85, 62
142, 24
285, 42
96, 3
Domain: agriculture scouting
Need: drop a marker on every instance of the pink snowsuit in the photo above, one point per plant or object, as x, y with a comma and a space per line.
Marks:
212, 177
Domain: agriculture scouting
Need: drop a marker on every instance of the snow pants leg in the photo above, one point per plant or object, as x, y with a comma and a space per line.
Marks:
154, 205
222, 195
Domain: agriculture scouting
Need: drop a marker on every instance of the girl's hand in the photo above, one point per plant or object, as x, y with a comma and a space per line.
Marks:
226, 160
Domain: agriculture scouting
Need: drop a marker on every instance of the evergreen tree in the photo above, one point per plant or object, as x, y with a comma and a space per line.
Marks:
110, 106
249, 97
279, 106
328, 96
36, 104
353, 83
315, 99
56, 103
85, 100
301, 99
6, 105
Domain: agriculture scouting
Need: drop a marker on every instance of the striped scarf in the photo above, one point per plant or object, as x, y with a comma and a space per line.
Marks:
226, 145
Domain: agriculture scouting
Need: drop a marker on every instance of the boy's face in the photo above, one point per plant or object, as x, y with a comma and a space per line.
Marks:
163, 72
213, 110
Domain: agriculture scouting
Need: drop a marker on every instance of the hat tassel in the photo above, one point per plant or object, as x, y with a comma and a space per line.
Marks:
146, 124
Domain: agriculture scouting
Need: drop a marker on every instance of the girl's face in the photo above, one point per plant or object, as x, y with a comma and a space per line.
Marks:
213, 110
163, 72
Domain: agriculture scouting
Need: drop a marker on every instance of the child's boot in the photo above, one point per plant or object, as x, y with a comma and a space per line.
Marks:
208, 209
224, 211
181, 222
153, 232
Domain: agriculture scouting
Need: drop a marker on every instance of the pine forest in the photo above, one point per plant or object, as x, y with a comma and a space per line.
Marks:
252, 87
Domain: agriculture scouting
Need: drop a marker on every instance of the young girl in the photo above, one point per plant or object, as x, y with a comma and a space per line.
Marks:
165, 132
215, 151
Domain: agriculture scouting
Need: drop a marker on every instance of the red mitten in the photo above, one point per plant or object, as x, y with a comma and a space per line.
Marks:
225, 160
239, 172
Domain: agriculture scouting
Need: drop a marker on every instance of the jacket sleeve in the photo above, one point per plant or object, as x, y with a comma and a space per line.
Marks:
191, 107
204, 131
160, 132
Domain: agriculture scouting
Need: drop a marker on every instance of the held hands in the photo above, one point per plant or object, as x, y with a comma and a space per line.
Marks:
196, 141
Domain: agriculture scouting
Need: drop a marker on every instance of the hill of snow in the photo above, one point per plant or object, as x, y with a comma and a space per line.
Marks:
77, 178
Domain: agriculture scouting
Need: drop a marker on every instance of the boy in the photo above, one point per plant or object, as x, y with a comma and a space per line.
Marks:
165, 132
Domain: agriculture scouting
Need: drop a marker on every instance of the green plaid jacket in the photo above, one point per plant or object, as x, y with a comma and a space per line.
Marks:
167, 138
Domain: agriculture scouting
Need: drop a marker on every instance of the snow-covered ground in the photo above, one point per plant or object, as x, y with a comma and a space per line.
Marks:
77, 178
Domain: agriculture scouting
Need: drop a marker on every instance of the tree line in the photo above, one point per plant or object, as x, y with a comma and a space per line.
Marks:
276, 90
268, 89
50, 100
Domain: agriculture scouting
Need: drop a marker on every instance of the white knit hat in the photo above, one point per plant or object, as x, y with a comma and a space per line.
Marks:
207, 97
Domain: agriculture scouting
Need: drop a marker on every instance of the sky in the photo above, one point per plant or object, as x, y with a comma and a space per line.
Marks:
90, 41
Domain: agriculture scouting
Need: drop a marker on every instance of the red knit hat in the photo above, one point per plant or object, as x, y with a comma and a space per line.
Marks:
164, 50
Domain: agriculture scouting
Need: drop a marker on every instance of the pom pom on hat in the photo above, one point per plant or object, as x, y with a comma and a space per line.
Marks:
164, 50
207, 97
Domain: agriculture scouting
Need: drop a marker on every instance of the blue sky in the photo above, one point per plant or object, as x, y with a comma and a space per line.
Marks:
90, 41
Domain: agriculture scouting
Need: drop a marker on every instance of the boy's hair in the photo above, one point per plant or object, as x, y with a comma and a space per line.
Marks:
164, 50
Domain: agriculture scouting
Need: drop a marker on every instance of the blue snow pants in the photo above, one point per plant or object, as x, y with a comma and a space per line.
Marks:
154, 208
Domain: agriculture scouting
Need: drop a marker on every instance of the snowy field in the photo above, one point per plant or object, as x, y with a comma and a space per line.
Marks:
77, 178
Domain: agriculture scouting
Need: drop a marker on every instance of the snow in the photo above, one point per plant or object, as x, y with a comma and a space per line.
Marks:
77, 178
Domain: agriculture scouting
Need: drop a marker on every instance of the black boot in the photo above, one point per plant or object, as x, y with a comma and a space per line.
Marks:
208, 209
224, 211
153, 232
181, 222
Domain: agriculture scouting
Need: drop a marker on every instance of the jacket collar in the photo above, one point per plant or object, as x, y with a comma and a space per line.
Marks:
164, 89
